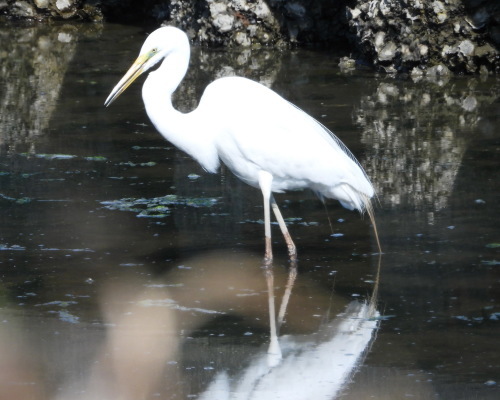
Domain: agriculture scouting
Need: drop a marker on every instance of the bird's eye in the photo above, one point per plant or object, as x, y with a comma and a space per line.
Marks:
155, 50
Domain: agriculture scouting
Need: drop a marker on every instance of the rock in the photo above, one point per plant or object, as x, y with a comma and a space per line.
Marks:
428, 32
385, 8
438, 70
22, 9
390, 35
242, 39
355, 13
65, 37
484, 51
221, 19
92, 13
466, 48
379, 40
440, 11
408, 54
262, 11
389, 69
417, 72
388, 52
42, 3
483, 70
423, 50
62, 5
226, 22
346, 64
469, 103
447, 50
46, 9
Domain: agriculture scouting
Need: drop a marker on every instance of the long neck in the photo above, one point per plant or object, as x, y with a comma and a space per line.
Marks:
161, 84
185, 131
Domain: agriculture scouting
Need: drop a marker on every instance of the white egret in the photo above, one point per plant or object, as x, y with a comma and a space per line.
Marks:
263, 139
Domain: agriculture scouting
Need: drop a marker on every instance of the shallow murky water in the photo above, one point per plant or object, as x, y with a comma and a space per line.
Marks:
128, 272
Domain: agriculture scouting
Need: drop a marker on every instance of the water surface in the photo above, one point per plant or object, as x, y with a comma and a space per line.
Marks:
120, 256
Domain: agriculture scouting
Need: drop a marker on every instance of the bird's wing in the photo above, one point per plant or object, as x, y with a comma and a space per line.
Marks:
259, 128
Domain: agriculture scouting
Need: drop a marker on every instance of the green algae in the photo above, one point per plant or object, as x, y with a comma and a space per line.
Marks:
156, 207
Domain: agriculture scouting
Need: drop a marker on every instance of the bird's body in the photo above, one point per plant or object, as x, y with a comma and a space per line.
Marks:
263, 139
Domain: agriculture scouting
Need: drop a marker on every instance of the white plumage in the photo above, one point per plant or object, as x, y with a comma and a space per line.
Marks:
263, 139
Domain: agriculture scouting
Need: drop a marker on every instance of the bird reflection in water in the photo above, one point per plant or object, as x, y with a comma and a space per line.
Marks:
317, 365
147, 338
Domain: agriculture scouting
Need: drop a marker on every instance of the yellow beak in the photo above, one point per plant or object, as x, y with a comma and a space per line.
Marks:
135, 70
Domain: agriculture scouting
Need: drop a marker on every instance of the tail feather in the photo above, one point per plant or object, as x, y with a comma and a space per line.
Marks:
373, 298
368, 206
351, 199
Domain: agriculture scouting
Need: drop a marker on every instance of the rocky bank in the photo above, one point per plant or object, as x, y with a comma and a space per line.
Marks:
433, 37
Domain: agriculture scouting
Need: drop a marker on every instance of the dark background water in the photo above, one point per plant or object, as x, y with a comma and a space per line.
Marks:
71, 245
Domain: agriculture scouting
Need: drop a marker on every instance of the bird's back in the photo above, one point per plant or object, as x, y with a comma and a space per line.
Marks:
259, 130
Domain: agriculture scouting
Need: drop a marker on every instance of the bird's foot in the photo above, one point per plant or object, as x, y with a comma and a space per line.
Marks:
292, 250
292, 253
268, 255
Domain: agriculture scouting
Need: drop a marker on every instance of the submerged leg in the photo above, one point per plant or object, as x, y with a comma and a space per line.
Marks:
274, 350
292, 274
292, 250
265, 181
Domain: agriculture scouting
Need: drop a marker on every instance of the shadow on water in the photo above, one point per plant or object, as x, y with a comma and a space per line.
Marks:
138, 353
128, 272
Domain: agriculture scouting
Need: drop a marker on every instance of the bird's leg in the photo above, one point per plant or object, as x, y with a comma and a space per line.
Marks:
265, 181
292, 250
268, 254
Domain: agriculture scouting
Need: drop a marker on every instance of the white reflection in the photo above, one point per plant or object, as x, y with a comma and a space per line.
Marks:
146, 336
315, 366
308, 366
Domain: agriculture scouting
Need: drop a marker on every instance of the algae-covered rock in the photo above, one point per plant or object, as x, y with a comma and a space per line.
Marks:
425, 34
390, 35
51, 9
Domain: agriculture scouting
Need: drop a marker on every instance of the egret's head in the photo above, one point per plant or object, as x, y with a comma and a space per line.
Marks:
157, 46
